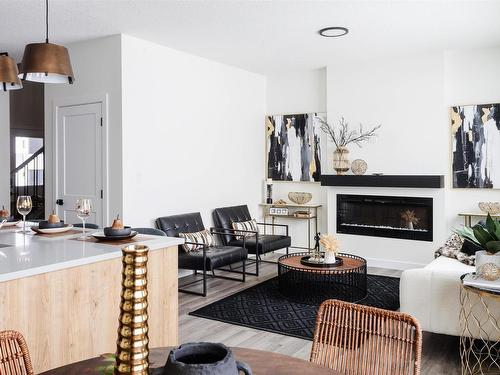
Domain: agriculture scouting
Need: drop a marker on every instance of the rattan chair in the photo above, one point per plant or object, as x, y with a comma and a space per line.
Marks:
14, 354
356, 339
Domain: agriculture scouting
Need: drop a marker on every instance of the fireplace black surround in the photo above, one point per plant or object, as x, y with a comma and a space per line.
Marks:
407, 218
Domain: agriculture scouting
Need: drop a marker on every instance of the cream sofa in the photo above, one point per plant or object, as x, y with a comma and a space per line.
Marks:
432, 295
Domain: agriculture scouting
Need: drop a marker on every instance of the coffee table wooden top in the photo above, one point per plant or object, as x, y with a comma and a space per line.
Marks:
261, 362
348, 264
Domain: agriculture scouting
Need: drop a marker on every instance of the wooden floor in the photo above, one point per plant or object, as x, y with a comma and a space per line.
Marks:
440, 352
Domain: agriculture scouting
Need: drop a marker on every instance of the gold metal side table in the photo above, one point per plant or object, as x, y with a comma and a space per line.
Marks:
479, 330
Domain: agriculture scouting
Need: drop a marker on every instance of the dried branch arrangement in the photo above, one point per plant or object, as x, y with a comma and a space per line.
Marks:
410, 217
342, 136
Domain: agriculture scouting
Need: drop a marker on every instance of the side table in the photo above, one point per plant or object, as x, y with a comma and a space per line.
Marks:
480, 330
311, 217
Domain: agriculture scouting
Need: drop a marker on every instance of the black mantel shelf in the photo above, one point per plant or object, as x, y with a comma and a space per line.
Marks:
397, 181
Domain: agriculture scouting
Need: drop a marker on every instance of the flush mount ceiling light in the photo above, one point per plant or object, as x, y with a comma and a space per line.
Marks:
333, 32
46, 62
9, 79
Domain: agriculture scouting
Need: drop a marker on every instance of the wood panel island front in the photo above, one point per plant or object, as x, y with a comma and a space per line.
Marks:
63, 295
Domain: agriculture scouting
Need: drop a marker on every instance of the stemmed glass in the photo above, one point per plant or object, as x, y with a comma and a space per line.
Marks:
24, 206
83, 211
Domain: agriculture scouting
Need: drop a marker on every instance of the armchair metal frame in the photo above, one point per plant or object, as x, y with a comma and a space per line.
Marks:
258, 258
204, 271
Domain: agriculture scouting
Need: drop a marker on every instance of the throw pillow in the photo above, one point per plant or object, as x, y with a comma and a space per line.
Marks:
470, 248
201, 238
245, 225
452, 249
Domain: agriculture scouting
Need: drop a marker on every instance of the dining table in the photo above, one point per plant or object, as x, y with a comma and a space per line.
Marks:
261, 362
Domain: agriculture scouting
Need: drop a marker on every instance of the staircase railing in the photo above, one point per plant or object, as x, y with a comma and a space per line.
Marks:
28, 179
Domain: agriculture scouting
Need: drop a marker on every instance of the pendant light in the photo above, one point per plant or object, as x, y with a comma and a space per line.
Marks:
46, 62
9, 79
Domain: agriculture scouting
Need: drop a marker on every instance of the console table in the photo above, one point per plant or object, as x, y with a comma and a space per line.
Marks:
311, 217
469, 215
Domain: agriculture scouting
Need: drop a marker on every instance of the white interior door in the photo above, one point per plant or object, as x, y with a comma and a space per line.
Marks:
79, 160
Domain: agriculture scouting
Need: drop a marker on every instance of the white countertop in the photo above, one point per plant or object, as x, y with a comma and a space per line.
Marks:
29, 254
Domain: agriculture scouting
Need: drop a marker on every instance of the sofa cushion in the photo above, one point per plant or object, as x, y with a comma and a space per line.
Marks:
449, 266
267, 243
217, 256
202, 238
250, 225
452, 249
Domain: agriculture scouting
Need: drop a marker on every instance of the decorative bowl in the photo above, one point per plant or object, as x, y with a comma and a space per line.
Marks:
492, 208
299, 197
113, 232
46, 225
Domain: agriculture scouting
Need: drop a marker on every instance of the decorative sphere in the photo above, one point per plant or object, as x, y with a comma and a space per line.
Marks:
489, 271
358, 167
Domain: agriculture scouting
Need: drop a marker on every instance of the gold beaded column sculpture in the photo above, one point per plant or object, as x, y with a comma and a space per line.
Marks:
132, 345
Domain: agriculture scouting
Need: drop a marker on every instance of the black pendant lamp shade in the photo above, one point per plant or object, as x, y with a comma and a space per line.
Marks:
46, 62
9, 79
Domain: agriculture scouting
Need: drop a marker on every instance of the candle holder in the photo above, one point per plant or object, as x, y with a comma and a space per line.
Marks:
132, 353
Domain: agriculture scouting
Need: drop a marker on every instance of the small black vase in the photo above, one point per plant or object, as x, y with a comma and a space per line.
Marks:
203, 358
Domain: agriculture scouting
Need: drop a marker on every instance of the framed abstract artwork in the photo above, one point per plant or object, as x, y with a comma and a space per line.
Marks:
475, 133
293, 147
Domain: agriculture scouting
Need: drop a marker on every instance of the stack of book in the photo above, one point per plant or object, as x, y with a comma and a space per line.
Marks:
477, 282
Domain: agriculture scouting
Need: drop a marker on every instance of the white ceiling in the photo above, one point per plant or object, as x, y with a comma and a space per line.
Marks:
262, 36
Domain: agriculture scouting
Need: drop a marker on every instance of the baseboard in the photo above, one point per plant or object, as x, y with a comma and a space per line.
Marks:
392, 264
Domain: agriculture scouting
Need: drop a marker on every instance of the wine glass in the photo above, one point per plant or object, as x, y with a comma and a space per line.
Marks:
83, 211
24, 206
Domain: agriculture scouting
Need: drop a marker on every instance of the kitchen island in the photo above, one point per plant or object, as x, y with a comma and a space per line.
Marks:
63, 295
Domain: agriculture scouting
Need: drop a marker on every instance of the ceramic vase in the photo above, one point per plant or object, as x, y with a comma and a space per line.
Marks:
329, 257
341, 160
203, 358
487, 265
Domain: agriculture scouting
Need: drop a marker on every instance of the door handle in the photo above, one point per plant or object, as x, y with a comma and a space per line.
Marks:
59, 202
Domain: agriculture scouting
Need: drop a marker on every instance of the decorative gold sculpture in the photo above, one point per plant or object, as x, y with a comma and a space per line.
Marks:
132, 345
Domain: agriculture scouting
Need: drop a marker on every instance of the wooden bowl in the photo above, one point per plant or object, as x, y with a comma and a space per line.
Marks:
298, 197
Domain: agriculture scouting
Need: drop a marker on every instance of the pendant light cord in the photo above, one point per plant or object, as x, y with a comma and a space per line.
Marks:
46, 21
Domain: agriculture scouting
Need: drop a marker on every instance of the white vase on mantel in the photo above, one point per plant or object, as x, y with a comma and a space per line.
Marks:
329, 257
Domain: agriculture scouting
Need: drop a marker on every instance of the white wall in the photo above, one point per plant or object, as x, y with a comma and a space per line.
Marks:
410, 97
193, 137
97, 68
4, 150
471, 77
406, 97
299, 92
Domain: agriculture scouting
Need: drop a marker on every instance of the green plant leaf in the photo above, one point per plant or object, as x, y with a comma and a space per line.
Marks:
467, 234
482, 235
493, 247
492, 227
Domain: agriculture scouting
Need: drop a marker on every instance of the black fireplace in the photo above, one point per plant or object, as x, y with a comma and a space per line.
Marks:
408, 218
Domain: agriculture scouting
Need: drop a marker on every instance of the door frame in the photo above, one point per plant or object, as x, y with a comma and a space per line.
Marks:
83, 100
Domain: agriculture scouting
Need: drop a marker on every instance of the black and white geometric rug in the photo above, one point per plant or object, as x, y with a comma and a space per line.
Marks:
263, 307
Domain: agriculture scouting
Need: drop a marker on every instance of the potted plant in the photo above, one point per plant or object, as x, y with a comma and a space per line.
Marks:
488, 238
342, 137
331, 246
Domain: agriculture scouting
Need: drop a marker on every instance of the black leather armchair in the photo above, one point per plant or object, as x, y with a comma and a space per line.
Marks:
258, 244
207, 258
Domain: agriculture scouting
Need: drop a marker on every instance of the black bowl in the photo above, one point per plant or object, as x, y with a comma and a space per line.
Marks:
112, 232
46, 225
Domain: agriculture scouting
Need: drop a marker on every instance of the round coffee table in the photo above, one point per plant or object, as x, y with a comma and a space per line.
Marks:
313, 285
